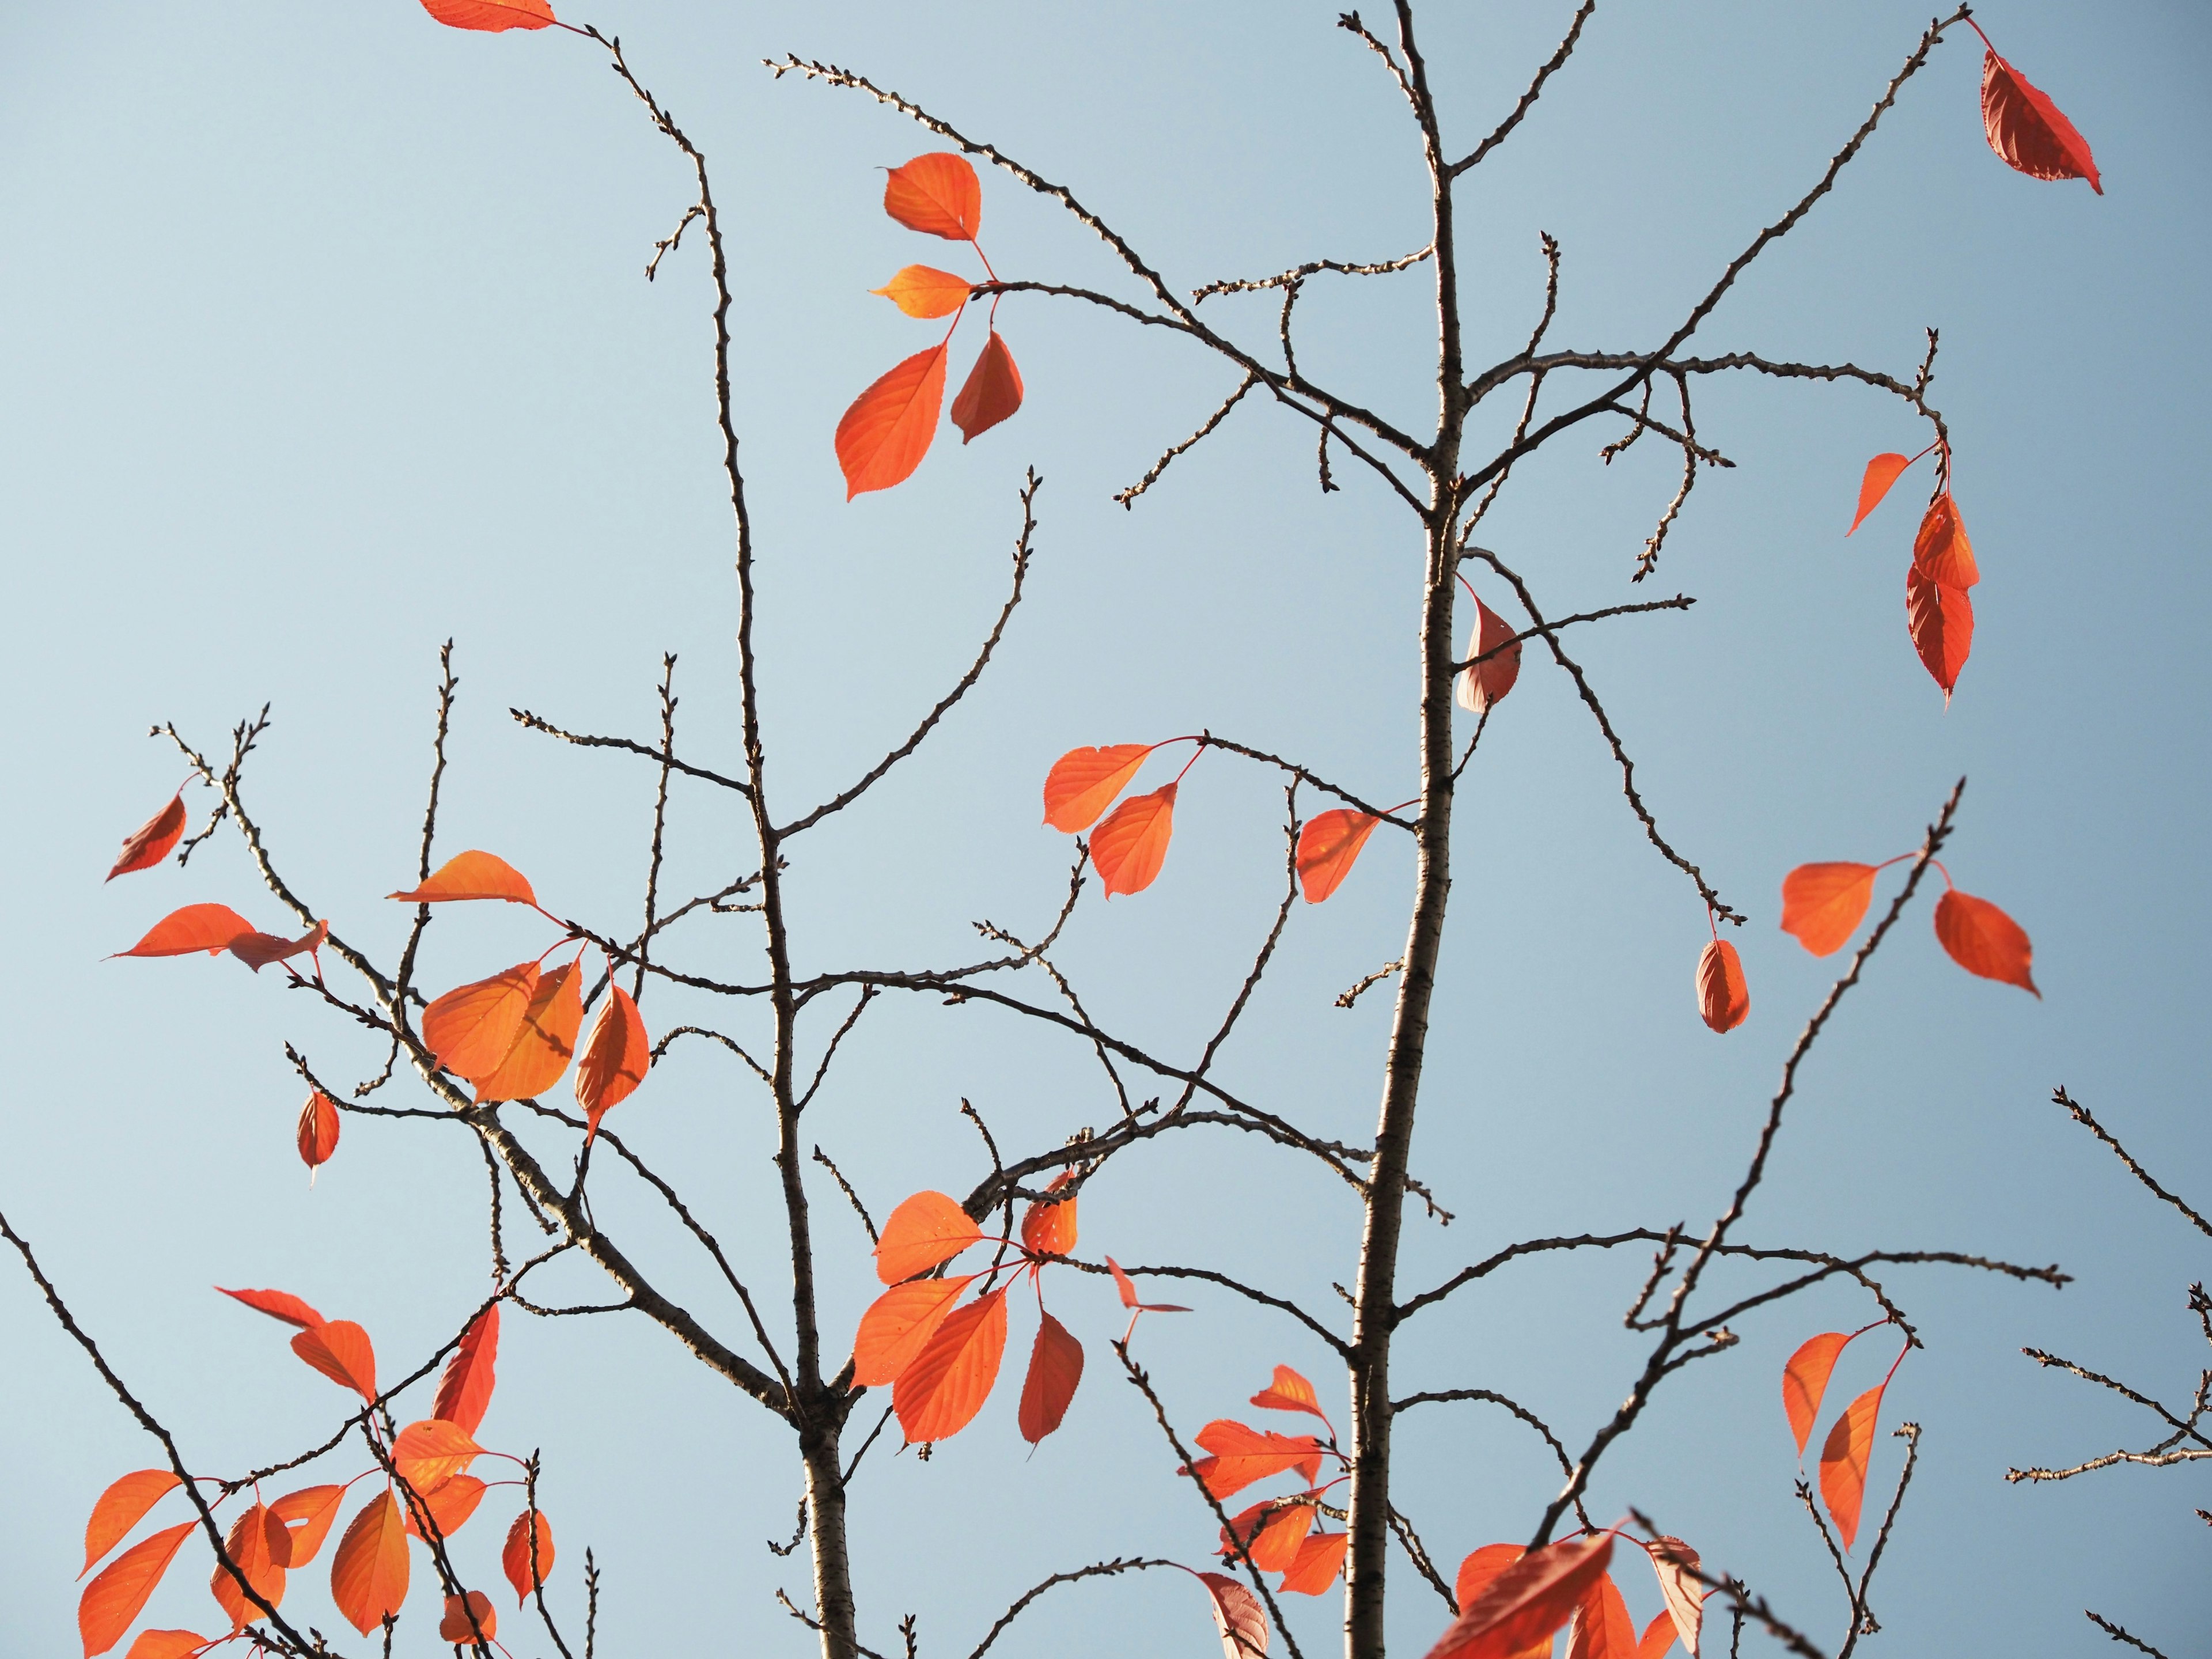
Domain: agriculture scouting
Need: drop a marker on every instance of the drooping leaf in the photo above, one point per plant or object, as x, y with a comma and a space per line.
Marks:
1602, 1629
1941, 552
898, 1325
940, 1393
1238, 1615
1049, 1225
257, 950
209, 927
1823, 903
1484, 683
471, 1028
884, 435
1282, 1529
1243, 1454
615, 1057
938, 195
1526, 1602
450, 1506
368, 1573
309, 1513
121, 1508
165, 1644
149, 844
490, 15
1129, 848
1475, 1573
471, 875
467, 1620
1290, 1392
429, 1453
1880, 472
340, 1350
1327, 847
2028, 130
1671, 1561
1083, 783
1843, 1462
261, 1546
992, 392
1320, 1559
278, 1304
1658, 1637
1129, 1293
1982, 939
1055, 1368
465, 1386
924, 1230
1805, 1379
545, 1042
1723, 998
528, 1556
318, 1131
1941, 621
924, 291
112, 1601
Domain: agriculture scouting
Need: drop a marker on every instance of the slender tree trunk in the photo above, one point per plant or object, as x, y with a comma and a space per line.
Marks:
833, 1568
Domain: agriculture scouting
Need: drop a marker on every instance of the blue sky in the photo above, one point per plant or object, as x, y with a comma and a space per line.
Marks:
325, 339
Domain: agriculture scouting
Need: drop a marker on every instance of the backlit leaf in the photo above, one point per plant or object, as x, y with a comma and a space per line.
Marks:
112, 1601
491, 15
1238, 1615
1941, 552
924, 291
1880, 472
1525, 1603
121, 1508
1327, 846
257, 950
1823, 903
278, 1304
261, 1546
1982, 939
471, 1027
940, 1393
1843, 1462
165, 1644
340, 1350
898, 1325
1290, 1392
1243, 1454
938, 195
1805, 1379
426, 1454
1941, 621
1671, 1559
471, 875
1055, 1368
528, 1556
468, 1620
1282, 1529
615, 1057
368, 1574
1129, 1293
465, 1386
2028, 130
318, 1131
992, 392
450, 1506
209, 927
1485, 683
1658, 1637
309, 1512
884, 435
545, 1042
924, 1230
149, 844
1049, 1225
1602, 1629
1129, 848
1083, 783
1723, 999
1320, 1559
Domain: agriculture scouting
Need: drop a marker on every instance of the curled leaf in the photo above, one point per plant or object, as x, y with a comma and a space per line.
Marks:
1290, 1392
1055, 1368
1881, 472
1281, 1527
528, 1555
468, 1619
340, 1350
1843, 1462
1083, 783
938, 195
898, 1325
1723, 998
261, 1546
1527, 1603
545, 1042
889, 428
1672, 1561
616, 1058
465, 1386
1822, 903
1319, 1560
471, 875
1242, 1454
308, 1513
924, 291
121, 1508
1982, 939
318, 1131
471, 1028
924, 1230
991, 393
1941, 552
209, 927
1482, 684
149, 844
368, 1574
278, 1304
1941, 621
1327, 847
1128, 1292
940, 1393
2030, 132
1129, 848
1238, 1615
257, 950
112, 1601
1805, 1379
1048, 1223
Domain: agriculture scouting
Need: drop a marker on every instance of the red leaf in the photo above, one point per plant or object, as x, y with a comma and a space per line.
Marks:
491, 15
940, 1393
898, 1325
528, 1555
1805, 1379
318, 1134
112, 1601
464, 1388
924, 1230
616, 1058
1129, 848
887, 431
368, 1574
471, 875
1880, 472
1327, 847
121, 1508
458, 1626
1602, 1627
1320, 1559
1048, 1227
545, 1042
1723, 999
1055, 1368
1941, 552
991, 393
340, 1350
1941, 621
1485, 683
924, 291
1843, 1462
1982, 939
149, 844
471, 1028
937, 194
1084, 782
257, 950
309, 1512
261, 1545
1526, 1602
1290, 1392
1129, 1293
1822, 903
1481, 1567
429, 1453
1658, 1637
209, 927
1282, 1529
2028, 130
1685, 1597
1238, 1615
1243, 1453
165, 1644
278, 1304
450, 1506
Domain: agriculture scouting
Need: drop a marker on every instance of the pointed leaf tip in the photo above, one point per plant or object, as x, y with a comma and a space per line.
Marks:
528, 1555
1083, 783
149, 844
1328, 846
1314, 1568
1483, 684
1822, 903
368, 1574
340, 1350
937, 194
472, 1027
278, 1304
923, 1230
114, 1598
1055, 1368
465, 1386
1129, 847
2029, 132
121, 1508
889, 427
209, 927
545, 1042
317, 1135
1048, 1223
1843, 1462
1984, 940
1805, 1380
924, 291
617, 1056
1237, 1616
471, 875
993, 390
1941, 552
1723, 998
1941, 621
939, 1392
1881, 472
1522, 1605
490, 17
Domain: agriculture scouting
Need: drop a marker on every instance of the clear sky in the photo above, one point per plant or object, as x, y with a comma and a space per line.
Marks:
323, 337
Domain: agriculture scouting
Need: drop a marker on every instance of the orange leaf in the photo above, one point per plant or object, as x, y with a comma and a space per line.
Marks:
318, 1134
464, 1387
1685, 1597
340, 1350
112, 1601
1843, 1462
1941, 621
1485, 683
165, 1644
924, 1230
545, 1042
1243, 1453
278, 1304
2028, 130
1822, 903
1048, 1225
368, 1574
1055, 1367
1602, 1627
528, 1555
924, 291
1282, 1529
1129, 1293
1478, 1570
1805, 1379
1320, 1559
312, 1509
617, 1057
1982, 939
1658, 1637
1238, 1615
1129, 847
1723, 999
940, 1393
898, 1325
1083, 781
471, 876
261, 1545
149, 844
1290, 1392
491, 15
468, 1621
257, 950
471, 1027
991, 393
209, 927
937, 194
1880, 472
1327, 847
1941, 552
121, 1508
428, 1453
450, 1506
887, 431
1526, 1602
